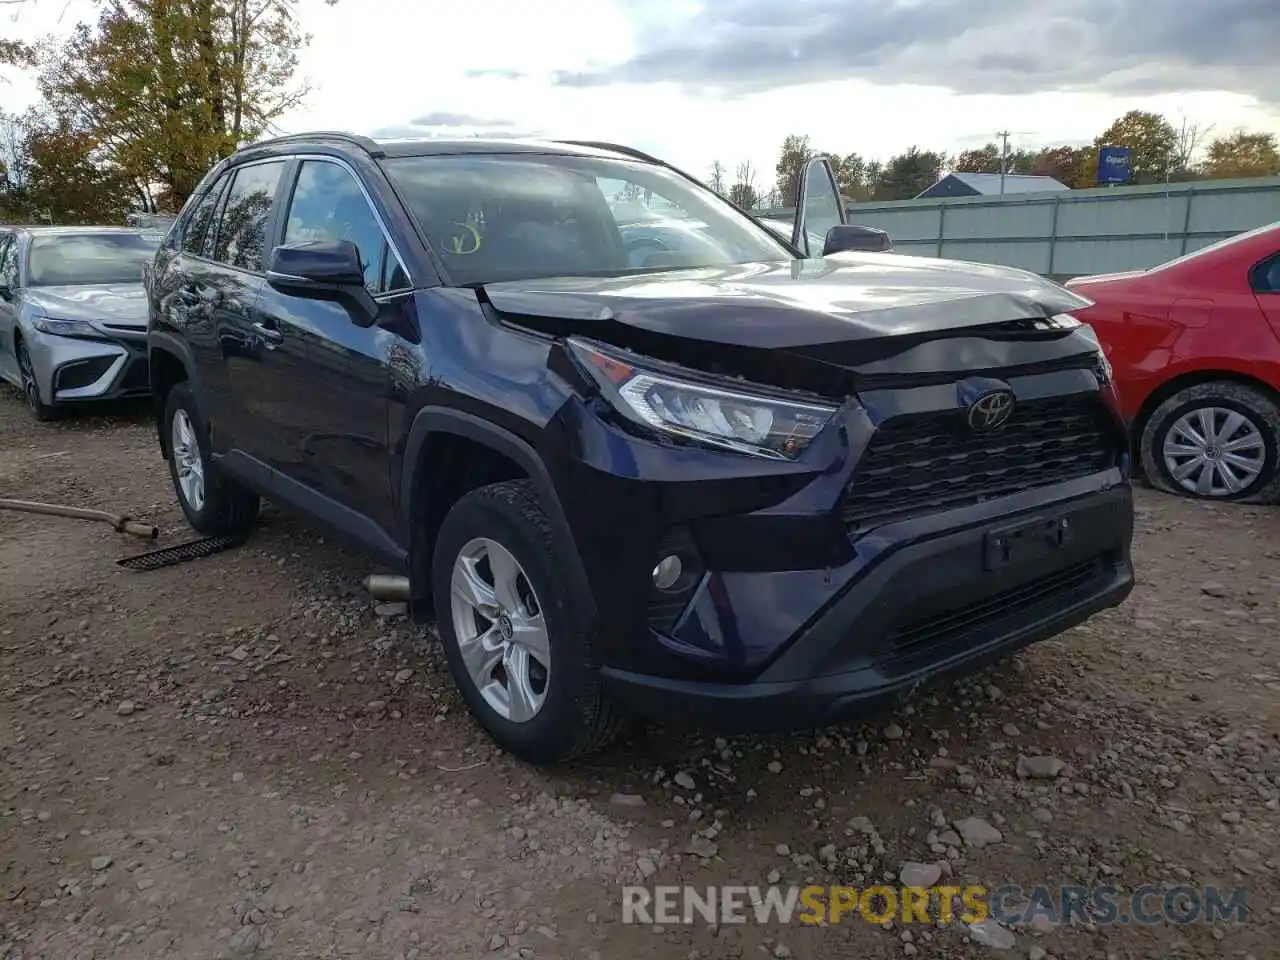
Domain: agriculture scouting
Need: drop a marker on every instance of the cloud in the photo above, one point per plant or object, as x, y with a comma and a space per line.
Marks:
498, 72
1125, 47
442, 118
413, 132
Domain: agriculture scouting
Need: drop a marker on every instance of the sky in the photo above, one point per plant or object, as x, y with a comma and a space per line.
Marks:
694, 81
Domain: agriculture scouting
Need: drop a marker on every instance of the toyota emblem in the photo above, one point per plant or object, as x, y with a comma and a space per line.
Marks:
991, 410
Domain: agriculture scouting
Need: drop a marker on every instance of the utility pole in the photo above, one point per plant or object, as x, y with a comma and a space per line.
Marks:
1004, 156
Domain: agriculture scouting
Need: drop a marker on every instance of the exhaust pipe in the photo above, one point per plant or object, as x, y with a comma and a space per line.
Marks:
387, 586
121, 523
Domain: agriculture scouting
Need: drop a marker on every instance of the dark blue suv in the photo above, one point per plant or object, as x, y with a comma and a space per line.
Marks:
638, 453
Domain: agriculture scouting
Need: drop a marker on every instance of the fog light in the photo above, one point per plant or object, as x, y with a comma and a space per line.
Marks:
667, 573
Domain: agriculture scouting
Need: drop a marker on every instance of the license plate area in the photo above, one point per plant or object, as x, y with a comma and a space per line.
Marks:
1025, 542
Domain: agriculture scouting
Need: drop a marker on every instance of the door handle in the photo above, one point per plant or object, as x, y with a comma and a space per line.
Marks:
270, 335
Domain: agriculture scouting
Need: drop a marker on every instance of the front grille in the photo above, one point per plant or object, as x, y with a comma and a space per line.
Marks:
914, 639
920, 463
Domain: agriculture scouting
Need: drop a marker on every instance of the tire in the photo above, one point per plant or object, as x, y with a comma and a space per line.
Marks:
225, 507
573, 718
31, 388
1256, 436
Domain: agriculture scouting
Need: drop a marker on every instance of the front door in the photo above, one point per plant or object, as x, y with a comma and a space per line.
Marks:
337, 439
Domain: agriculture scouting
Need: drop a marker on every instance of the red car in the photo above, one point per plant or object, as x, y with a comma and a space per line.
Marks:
1195, 349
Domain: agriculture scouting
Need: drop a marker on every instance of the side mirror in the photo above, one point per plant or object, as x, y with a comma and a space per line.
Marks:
5, 292
849, 236
324, 270
819, 207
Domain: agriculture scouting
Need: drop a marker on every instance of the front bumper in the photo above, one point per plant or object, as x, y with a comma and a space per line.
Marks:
926, 609
71, 370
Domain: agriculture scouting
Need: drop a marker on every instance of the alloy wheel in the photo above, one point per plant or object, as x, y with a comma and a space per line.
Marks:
501, 633
188, 460
27, 373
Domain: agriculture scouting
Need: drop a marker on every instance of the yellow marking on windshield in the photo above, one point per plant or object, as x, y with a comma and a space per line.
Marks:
458, 243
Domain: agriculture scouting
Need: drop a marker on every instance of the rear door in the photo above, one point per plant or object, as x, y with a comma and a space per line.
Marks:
337, 438
262, 380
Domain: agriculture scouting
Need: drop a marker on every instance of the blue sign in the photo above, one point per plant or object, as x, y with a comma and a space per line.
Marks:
1115, 165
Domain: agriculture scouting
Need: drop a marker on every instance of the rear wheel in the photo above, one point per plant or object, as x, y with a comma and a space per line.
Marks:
1215, 441
31, 388
213, 503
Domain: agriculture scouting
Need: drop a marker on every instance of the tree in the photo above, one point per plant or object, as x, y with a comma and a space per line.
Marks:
70, 180
717, 177
851, 176
1243, 154
1188, 138
1061, 163
796, 152
910, 173
986, 159
743, 192
1150, 137
167, 87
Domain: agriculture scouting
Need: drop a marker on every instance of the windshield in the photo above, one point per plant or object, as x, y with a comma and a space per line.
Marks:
520, 216
88, 258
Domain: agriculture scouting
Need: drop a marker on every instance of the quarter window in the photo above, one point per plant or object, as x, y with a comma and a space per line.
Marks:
1266, 275
242, 228
328, 204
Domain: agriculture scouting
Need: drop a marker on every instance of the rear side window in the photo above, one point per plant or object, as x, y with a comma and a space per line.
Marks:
199, 226
242, 228
1266, 275
328, 204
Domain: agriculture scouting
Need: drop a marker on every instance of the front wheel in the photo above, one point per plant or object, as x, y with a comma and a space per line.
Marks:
31, 387
505, 611
1215, 441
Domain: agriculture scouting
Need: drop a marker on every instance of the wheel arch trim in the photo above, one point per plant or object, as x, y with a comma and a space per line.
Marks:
433, 420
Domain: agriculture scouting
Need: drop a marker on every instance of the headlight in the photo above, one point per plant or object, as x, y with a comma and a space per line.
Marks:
763, 426
65, 328
1104, 365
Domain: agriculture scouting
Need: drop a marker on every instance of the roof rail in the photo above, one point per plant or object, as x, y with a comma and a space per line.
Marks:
614, 148
364, 143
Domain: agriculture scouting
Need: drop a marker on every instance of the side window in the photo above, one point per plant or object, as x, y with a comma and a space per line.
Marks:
1266, 275
328, 204
242, 228
9, 261
197, 231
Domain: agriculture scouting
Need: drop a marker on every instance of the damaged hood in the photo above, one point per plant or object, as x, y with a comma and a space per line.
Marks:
790, 304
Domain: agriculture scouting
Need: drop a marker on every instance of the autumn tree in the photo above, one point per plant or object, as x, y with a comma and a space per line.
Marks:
167, 87
71, 181
1061, 163
910, 173
1152, 140
796, 152
1243, 154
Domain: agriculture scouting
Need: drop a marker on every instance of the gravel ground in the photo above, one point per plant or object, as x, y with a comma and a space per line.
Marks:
242, 756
